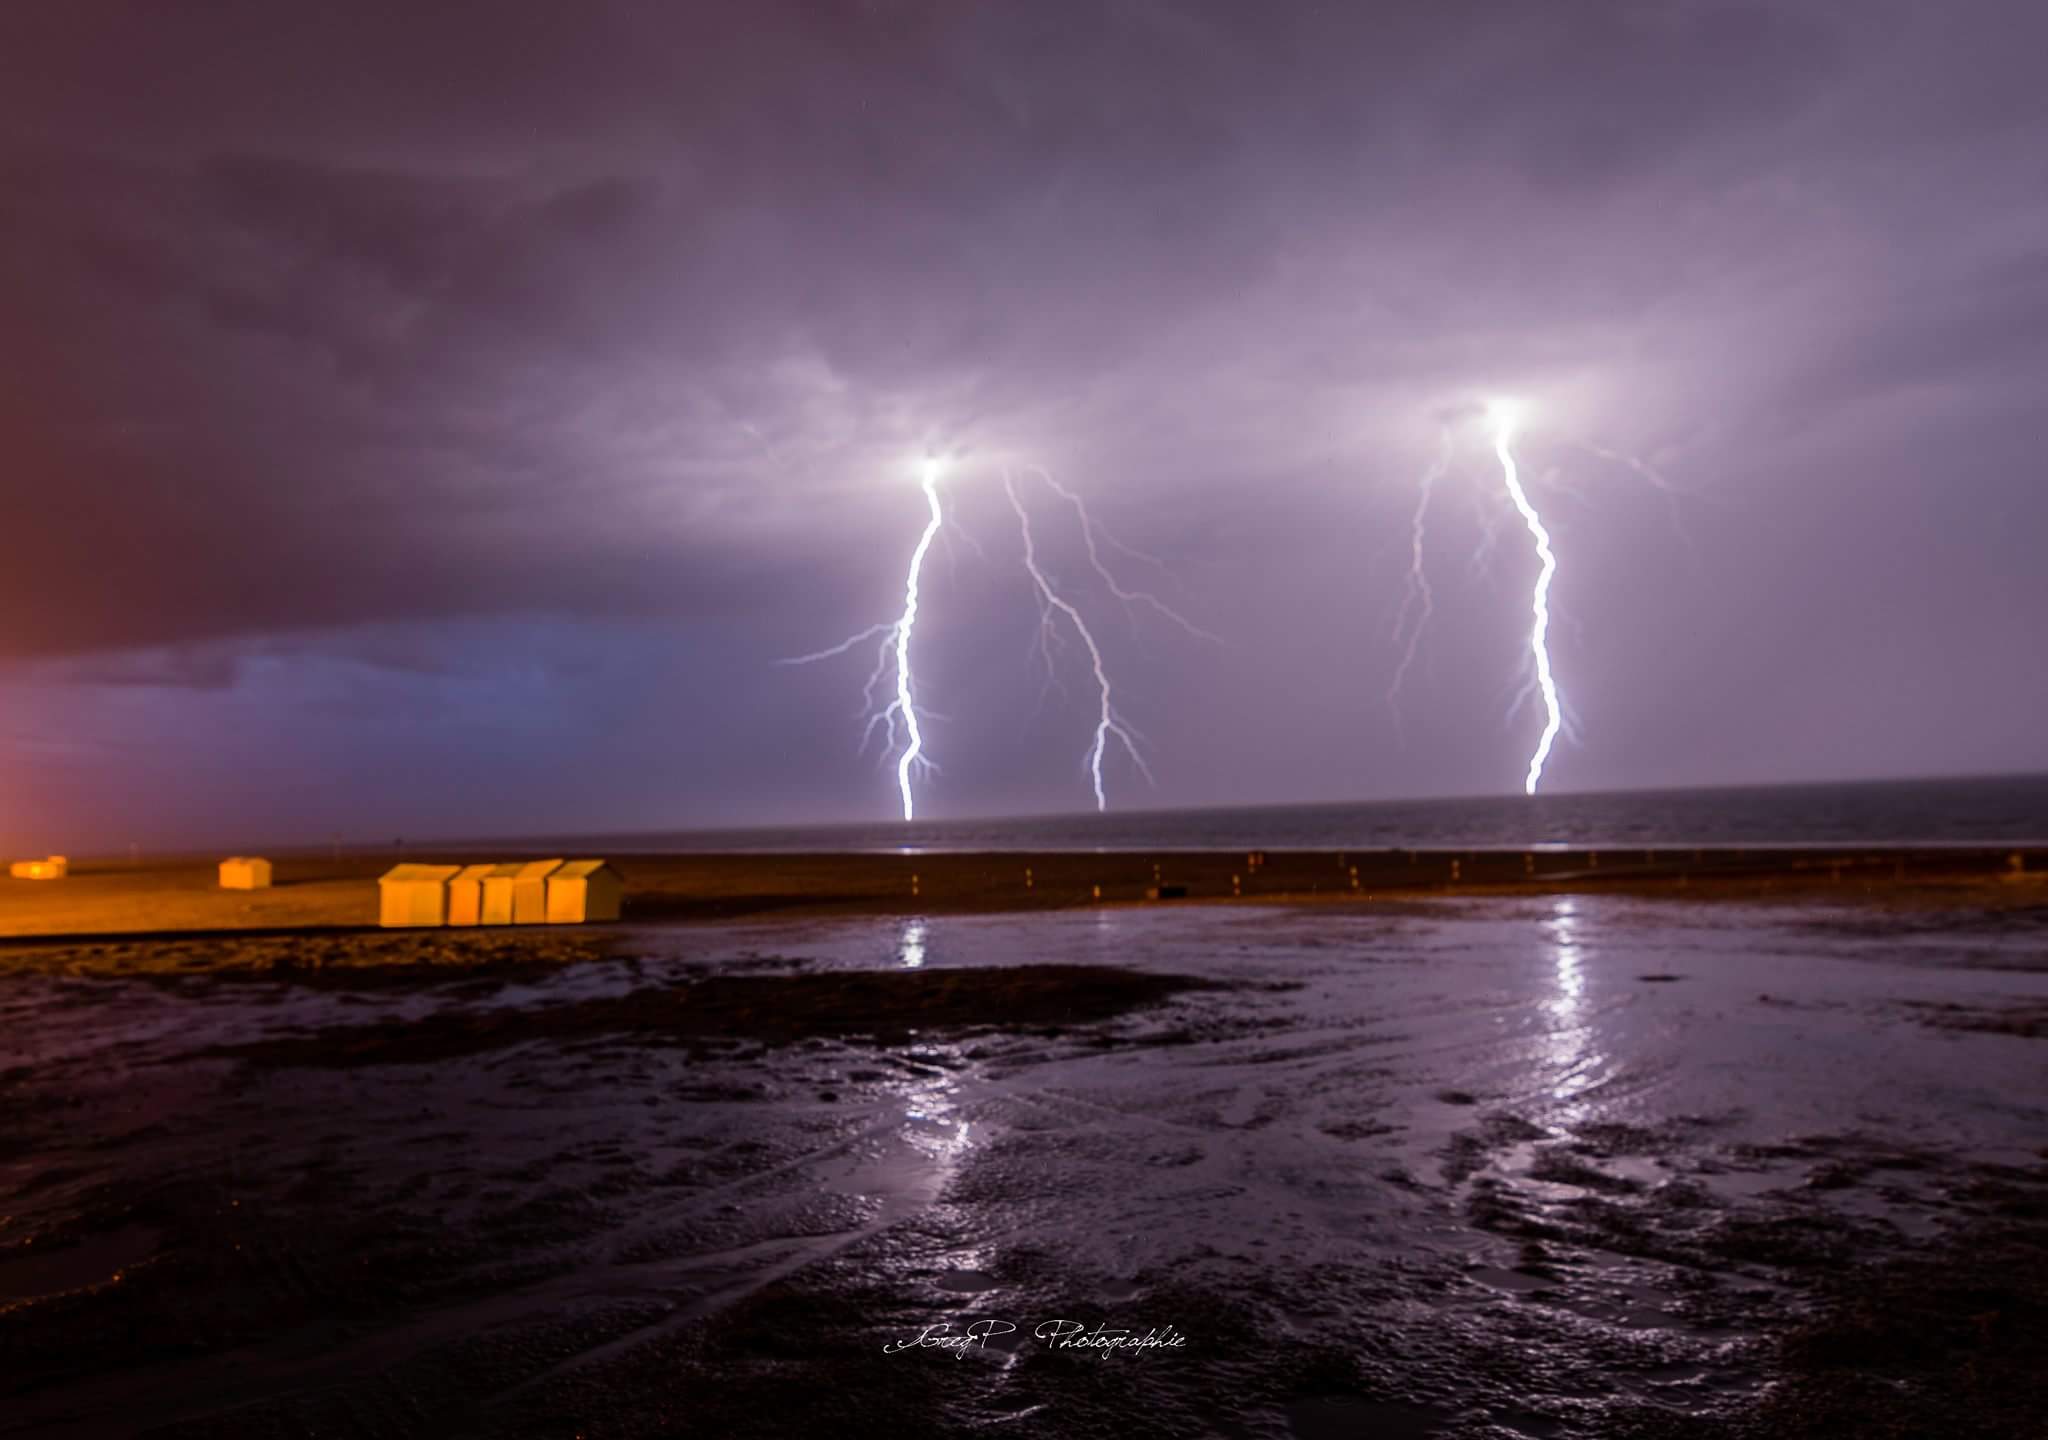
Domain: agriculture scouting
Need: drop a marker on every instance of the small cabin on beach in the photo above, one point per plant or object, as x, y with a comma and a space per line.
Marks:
412, 895
50, 867
519, 892
497, 894
244, 872
466, 895
530, 892
584, 890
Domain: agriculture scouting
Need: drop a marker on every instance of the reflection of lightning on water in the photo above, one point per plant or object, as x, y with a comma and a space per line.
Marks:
1539, 635
894, 651
1108, 723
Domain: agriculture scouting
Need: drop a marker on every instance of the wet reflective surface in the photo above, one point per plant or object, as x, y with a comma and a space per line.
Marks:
1534, 1167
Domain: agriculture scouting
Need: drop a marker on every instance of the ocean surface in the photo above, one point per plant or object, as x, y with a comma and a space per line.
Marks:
1979, 810
511, 1198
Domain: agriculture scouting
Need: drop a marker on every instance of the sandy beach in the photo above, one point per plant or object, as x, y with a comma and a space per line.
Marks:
339, 894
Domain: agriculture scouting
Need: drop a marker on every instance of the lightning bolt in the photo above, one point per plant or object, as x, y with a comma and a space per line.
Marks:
1502, 419
1672, 492
1091, 532
887, 627
1420, 598
893, 639
1642, 468
894, 652
1539, 635
1108, 724
904, 705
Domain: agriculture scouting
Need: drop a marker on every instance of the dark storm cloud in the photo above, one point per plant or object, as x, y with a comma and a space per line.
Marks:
385, 315
1984, 328
283, 394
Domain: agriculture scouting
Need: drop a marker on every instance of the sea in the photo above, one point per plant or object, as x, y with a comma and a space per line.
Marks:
1993, 810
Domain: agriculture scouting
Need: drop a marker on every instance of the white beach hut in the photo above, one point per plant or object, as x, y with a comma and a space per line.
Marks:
584, 890
414, 895
530, 892
244, 872
466, 895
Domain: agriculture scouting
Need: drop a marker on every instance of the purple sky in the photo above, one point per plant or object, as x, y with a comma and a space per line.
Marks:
424, 420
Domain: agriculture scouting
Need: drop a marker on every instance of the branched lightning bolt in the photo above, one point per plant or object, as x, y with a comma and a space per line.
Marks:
1091, 533
894, 650
1657, 480
887, 627
1108, 723
893, 640
1641, 467
1538, 680
1539, 634
1419, 597
886, 632
904, 704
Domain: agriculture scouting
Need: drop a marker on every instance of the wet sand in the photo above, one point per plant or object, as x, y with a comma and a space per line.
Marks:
172, 896
1602, 1164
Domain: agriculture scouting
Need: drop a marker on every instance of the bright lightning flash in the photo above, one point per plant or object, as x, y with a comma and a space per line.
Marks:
1108, 724
1503, 421
894, 650
892, 640
1503, 417
904, 706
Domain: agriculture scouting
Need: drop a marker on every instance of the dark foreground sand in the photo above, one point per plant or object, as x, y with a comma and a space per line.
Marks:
150, 897
1593, 1155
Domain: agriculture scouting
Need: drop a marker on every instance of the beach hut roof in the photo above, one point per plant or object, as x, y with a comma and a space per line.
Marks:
536, 869
474, 872
580, 869
400, 874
